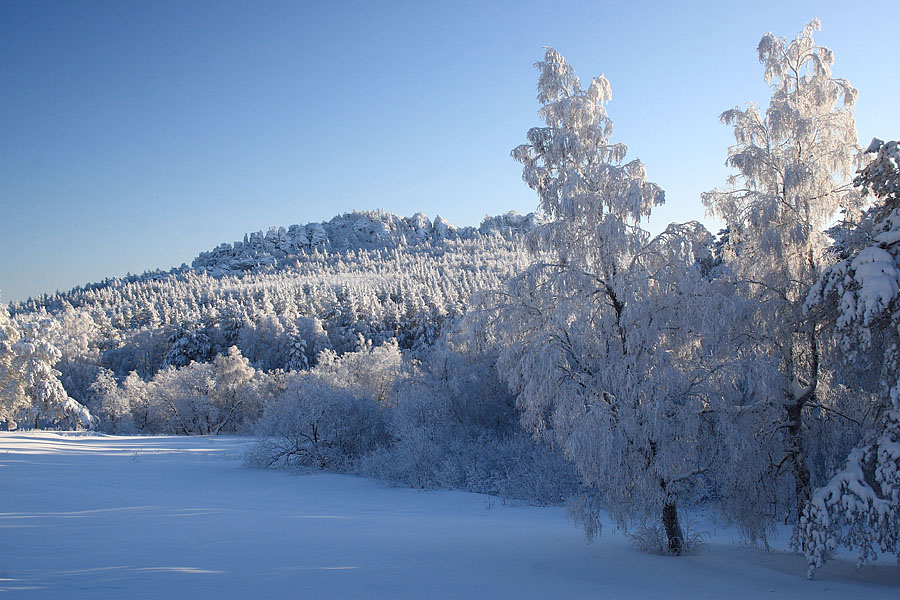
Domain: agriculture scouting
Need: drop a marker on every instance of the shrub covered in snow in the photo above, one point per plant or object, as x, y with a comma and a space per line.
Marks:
314, 425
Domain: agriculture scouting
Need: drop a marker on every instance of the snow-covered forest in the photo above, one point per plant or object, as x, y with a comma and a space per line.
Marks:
566, 357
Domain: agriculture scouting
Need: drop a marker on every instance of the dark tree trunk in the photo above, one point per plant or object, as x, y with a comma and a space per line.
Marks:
798, 458
673, 528
794, 409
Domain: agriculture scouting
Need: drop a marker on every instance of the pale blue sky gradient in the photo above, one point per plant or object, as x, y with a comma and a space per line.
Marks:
135, 134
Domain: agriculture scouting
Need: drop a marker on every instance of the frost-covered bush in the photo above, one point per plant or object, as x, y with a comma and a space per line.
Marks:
224, 396
313, 424
651, 539
512, 466
455, 427
369, 372
416, 456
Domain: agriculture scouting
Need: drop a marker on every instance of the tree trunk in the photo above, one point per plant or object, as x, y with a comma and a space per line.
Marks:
798, 459
794, 409
673, 528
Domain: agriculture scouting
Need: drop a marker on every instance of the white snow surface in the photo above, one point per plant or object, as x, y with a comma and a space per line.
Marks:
89, 516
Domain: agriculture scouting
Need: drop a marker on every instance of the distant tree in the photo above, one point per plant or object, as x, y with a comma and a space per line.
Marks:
12, 399
112, 405
298, 358
146, 413
369, 372
77, 336
237, 397
307, 338
31, 391
265, 341
188, 343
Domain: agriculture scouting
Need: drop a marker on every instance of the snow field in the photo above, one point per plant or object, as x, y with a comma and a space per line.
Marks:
86, 516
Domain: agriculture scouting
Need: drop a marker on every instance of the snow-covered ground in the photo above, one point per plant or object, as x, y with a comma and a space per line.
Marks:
175, 517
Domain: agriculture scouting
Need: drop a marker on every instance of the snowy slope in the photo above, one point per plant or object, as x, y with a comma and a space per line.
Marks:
177, 517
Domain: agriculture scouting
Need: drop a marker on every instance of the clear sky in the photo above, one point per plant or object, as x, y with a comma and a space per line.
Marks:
134, 134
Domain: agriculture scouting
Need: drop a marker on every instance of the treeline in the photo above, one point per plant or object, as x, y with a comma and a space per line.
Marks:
278, 318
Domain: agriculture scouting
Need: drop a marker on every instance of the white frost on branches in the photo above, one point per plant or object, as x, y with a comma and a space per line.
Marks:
30, 390
793, 162
859, 507
599, 337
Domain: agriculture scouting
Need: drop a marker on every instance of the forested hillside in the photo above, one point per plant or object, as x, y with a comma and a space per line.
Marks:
283, 297
344, 317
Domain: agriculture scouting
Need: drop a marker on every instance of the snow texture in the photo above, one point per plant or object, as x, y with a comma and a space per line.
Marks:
88, 516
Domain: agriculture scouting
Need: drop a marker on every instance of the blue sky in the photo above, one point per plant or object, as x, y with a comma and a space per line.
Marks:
135, 134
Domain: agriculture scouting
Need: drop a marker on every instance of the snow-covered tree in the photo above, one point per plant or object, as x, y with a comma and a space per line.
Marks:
204, 398
188, 343
236, 399
298, 354
76, 335
595, 336
137, 395
12, 399
111, 405
31, 391
369, 372
793, 165
183, 397
859, 506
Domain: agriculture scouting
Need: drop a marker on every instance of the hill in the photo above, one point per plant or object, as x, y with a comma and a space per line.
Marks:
283, 296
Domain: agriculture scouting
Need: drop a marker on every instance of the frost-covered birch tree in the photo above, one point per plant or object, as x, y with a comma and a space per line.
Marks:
794, 162
594, 335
